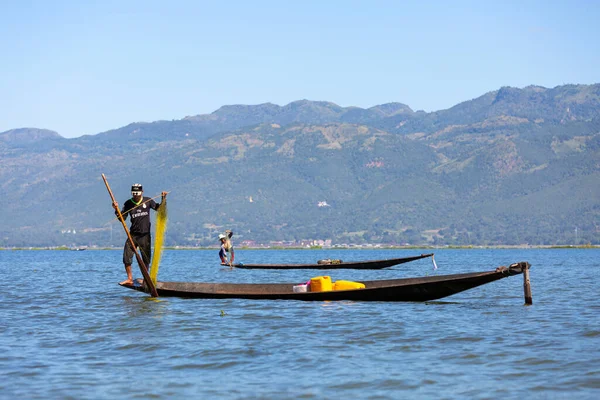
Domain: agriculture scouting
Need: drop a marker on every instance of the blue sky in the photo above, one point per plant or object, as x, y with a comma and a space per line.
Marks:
87, 67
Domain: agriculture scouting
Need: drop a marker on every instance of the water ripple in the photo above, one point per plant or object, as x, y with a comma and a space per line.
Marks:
79, 335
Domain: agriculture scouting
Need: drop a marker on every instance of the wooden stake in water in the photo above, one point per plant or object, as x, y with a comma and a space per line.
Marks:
527, 286
139, 259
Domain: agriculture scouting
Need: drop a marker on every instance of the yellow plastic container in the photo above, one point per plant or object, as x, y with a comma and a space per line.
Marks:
347, 285
320, 284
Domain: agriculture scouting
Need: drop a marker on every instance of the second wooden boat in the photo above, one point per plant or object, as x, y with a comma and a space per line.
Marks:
338, 264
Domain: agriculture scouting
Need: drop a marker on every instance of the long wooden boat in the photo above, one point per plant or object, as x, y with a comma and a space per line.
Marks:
337, 264
408, 289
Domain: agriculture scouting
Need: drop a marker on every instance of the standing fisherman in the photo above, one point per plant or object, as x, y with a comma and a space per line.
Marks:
226, 247
138, 208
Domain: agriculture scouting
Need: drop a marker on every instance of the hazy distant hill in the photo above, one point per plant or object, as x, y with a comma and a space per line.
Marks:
512, 166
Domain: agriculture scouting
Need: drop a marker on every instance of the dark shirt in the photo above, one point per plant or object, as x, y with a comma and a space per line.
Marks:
139, 215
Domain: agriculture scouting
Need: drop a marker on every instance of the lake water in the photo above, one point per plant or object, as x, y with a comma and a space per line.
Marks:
67, 330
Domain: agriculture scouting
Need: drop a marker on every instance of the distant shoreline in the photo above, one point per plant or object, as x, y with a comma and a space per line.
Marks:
372, 247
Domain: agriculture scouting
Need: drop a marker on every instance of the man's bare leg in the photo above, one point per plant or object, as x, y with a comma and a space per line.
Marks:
129, 280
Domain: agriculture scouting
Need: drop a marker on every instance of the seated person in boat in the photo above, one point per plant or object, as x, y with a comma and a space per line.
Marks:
226, 247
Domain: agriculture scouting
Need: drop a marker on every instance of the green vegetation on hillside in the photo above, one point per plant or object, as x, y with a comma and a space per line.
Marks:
514, 166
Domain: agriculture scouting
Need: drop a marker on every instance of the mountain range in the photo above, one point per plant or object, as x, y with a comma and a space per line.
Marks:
513, 166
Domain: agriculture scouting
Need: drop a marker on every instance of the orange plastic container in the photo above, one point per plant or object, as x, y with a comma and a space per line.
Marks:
320, 284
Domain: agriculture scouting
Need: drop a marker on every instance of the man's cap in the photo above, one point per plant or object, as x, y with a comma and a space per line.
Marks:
136, 187
221, 236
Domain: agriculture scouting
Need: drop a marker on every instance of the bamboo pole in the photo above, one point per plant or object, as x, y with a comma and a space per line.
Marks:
142, 265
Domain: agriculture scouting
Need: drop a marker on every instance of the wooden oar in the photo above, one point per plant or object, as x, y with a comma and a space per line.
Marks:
140, 261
